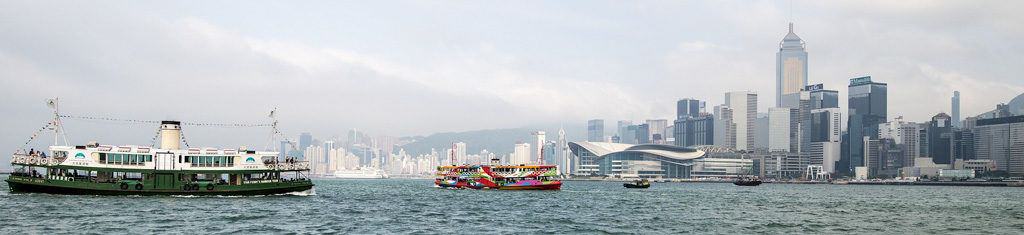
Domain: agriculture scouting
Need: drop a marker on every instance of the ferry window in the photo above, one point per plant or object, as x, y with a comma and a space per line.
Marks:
103, 158
149, 158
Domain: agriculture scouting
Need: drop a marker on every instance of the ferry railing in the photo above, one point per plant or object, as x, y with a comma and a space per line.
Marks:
36, 160
288, 166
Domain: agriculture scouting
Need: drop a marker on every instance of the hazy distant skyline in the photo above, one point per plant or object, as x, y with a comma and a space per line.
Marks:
418, 67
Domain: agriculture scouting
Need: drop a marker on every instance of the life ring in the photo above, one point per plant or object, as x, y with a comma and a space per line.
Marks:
32, 161
138, 186
209, 187
124, 186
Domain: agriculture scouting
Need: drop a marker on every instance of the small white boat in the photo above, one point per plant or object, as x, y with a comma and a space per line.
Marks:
360, 173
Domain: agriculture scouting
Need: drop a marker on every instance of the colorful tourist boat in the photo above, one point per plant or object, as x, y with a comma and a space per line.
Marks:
504, 177
96, 169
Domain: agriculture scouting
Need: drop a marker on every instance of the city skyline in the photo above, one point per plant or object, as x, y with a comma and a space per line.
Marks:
362, 84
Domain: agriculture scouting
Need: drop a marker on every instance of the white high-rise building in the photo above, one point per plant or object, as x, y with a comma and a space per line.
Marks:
539, 147
780, 128
460, 153
656, 127
725, 128
564, 154
744, 107
521, 154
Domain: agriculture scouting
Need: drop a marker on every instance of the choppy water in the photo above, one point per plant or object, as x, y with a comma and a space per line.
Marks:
414, 206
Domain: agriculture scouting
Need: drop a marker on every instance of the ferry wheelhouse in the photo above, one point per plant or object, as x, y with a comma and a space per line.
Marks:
504, 177
97, 169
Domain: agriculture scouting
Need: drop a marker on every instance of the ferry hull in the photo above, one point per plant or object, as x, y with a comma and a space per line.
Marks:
552, 186
28, 187
463, 185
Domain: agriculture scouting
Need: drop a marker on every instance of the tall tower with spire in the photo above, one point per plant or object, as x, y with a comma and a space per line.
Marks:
790, 70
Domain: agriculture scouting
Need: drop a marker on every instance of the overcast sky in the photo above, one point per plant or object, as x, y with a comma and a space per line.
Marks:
418, 67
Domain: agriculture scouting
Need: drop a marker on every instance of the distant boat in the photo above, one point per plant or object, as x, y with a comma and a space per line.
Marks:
747, 182
360, 173
641, 183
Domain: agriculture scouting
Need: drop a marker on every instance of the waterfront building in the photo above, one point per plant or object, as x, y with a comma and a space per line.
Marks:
867, 108
724, 127
721, 167
790, 69
824, 154
923, 167
595, 130
744, 112
955, 109
1001, 140
781, 165
618, 160
940, 136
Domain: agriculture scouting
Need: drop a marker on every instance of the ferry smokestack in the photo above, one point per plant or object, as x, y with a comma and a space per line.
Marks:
170, 135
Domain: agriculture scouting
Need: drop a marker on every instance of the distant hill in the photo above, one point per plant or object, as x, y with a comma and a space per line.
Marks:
497, 141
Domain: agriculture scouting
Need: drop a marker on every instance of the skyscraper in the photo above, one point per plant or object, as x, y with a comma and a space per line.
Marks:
867, 108
656, 127
305, 140
694, 131
822, 98
790, 70
621, 129
724, 127
940, 136
564, 156
643, 134
781, 129
956, 109
744, 113
688, 108
595, 130
1002, 141
521, 154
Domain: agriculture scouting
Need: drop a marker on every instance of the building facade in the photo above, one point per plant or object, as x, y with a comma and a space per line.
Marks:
595, 130
744, 113
1001, 140
790, 68
616, 160
867, 108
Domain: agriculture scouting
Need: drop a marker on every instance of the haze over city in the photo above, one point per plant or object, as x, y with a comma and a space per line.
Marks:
417, 67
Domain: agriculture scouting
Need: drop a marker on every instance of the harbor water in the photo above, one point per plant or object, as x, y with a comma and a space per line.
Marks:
415, 206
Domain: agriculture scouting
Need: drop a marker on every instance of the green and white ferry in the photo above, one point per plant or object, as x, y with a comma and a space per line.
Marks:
96, 169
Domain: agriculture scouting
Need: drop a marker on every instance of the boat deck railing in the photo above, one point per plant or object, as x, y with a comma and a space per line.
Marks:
34, 160
288, 166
